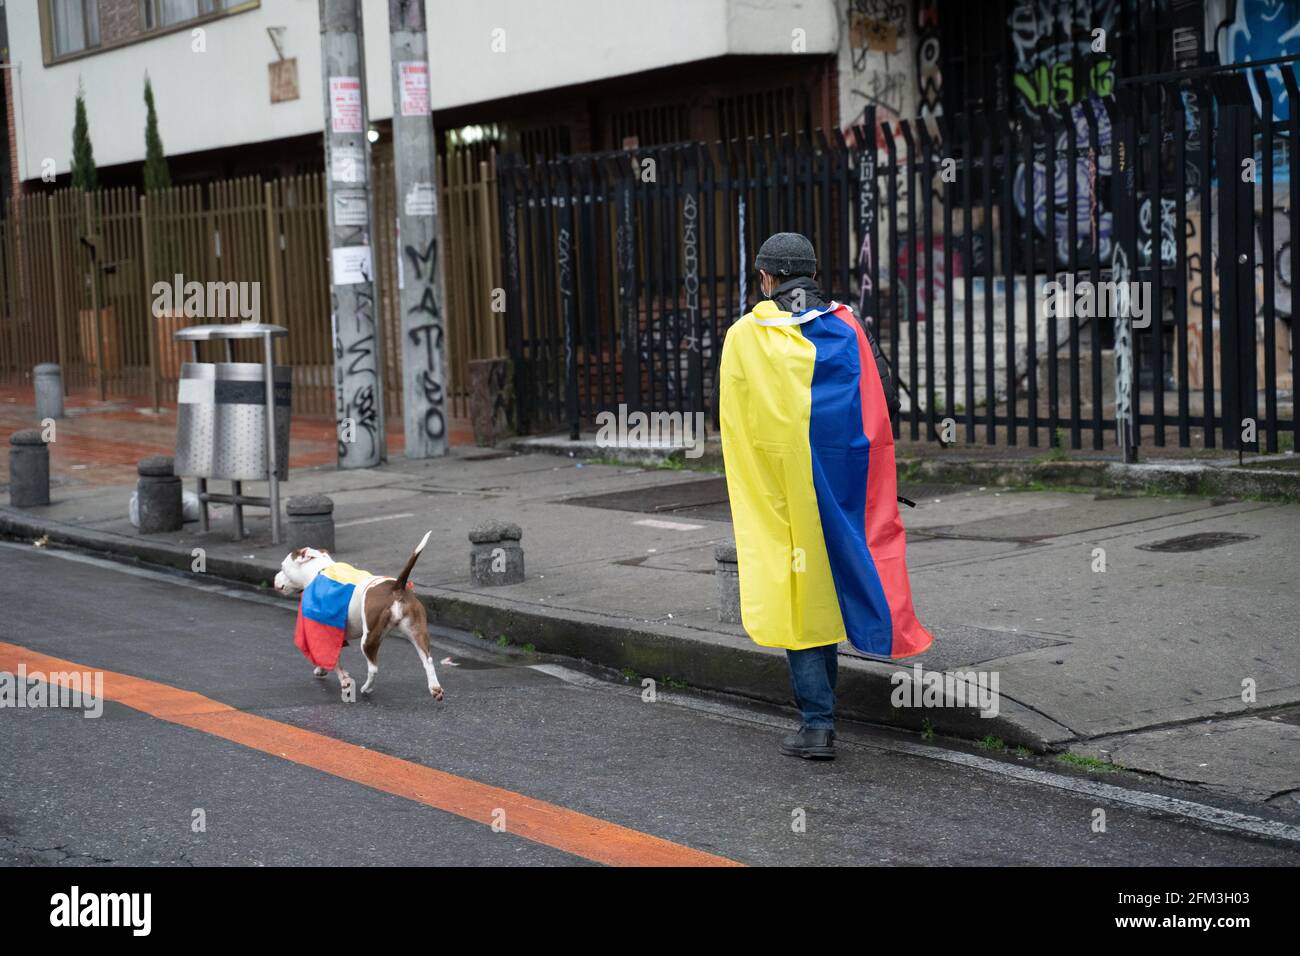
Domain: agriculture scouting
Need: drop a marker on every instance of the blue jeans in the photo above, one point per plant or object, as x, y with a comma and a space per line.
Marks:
813, 672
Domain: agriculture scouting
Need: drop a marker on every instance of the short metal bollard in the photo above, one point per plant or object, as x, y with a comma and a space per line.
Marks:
48, 379
29, 469
311, 522
727, 574
496, 557
159, 495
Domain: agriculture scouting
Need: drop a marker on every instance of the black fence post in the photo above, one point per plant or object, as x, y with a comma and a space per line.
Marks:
510, 269
1124, 267
690, 279
868, 207
1236, 256
565, 267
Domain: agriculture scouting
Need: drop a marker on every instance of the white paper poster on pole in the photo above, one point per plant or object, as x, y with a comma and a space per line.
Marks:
421, 200
351, 265
414, 82
350, 208
345, 104
348, 164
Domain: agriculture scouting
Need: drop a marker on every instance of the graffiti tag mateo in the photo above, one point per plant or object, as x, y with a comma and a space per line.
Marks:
425, 332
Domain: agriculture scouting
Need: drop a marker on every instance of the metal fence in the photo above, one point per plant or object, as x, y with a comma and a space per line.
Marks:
992, 253
116, 337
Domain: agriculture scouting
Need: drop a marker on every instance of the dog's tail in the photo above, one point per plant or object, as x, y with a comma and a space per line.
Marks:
400, 583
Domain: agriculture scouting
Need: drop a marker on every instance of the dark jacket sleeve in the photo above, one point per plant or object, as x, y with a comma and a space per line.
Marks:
886, 375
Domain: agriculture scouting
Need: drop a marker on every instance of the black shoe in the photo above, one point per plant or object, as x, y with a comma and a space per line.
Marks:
811, 744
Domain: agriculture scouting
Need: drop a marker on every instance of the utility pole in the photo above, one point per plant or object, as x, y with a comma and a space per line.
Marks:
424, 354
358, 388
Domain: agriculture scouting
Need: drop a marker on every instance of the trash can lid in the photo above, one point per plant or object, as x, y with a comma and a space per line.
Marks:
238, 330
155, 466
27, 436
489, 531
310, 505
47, 368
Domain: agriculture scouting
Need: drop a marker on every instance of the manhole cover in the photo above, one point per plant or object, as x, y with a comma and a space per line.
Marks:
686, 497
486, 455
1197, 542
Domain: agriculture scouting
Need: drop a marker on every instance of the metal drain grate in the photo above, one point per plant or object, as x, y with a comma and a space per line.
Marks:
1197, 542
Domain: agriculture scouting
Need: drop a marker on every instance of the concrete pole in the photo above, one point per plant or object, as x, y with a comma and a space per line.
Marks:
358, 388
424, 353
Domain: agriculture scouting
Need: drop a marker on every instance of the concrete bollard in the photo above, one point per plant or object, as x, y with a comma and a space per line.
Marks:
48, 379
29, 469
496, 557
311, 522
727, 574
158, 495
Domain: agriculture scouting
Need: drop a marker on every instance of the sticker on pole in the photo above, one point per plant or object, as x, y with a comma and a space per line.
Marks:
350, 208
421, 200
345, 104
351, 265
413, 78
348, 164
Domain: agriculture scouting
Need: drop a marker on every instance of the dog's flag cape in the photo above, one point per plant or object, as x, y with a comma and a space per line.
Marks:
809, 456
323, 613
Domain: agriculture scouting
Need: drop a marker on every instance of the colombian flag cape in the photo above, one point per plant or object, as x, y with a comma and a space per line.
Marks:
323, 613
809, 456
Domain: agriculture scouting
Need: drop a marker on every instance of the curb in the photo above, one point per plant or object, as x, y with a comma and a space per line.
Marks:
703, 660
1205, 479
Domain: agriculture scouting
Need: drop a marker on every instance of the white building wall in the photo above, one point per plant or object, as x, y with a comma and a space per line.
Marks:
877, 58
221, 97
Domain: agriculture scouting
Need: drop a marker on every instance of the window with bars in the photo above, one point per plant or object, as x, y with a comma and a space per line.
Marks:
648, 126
786, 109
545, 141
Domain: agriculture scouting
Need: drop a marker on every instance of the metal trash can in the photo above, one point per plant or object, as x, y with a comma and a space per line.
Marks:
223, 429
221, 421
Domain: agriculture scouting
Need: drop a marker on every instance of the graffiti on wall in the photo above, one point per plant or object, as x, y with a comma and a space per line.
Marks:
1051, 188
1263, 30
929, 73
877, 32
1055, 63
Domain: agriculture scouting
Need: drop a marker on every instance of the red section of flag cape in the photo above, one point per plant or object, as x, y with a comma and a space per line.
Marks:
886, 540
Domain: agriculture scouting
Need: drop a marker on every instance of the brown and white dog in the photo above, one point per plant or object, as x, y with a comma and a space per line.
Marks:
378, 604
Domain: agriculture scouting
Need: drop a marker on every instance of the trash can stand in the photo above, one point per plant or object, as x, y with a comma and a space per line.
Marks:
237, 499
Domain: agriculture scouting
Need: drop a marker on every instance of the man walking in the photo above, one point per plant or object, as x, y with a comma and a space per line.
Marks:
806, 400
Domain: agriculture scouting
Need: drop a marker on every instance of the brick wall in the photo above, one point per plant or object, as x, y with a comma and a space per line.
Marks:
119, 20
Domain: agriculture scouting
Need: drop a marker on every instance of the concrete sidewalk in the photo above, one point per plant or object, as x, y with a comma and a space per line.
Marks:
619, 572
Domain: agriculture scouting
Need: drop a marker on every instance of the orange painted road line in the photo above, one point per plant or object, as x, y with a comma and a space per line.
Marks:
535, 820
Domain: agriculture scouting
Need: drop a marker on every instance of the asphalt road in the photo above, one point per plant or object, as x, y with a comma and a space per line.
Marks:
585, 770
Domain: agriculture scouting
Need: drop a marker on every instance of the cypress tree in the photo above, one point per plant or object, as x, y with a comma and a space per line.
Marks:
84, 175
156, 174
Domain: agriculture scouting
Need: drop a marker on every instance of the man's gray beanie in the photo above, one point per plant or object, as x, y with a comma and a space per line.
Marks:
787, 254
